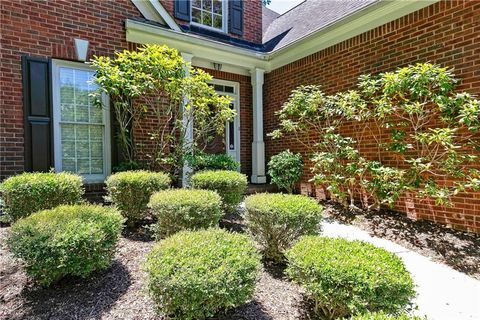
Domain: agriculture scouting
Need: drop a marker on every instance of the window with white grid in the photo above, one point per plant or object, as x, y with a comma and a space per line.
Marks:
81, 137
209, 13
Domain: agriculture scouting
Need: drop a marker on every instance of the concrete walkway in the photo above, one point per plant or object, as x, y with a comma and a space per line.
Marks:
443, 293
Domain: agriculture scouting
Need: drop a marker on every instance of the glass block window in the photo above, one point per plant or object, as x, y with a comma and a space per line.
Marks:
81, 124
209, 13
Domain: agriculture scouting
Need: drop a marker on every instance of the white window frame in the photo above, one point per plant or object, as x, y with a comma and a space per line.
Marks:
236, 103
224, 19
57, 141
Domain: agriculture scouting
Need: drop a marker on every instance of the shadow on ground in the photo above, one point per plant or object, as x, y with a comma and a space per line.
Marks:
460, 250
74, 298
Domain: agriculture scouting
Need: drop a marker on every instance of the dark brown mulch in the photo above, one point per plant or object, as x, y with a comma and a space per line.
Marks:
117, 293
460, 250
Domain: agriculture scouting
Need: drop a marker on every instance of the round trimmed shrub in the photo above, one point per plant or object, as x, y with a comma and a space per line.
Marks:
184, 209
195, 274
285, 169
67, 240
230, 185
384, 316
208, 161
349, 277
28, 192
130, 192
276, 220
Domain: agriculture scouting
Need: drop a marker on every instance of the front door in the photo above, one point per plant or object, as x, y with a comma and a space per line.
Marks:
232, 128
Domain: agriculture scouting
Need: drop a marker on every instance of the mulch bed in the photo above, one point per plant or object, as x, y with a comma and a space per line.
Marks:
460, 250
118, 292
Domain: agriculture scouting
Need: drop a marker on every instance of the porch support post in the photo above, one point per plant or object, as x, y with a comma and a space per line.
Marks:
189, 130
258, 145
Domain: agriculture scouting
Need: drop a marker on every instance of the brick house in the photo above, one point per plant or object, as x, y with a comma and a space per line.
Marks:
254, 54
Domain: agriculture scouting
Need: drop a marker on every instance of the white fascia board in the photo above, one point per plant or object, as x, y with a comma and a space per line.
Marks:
372, 17
154, 11
139, 32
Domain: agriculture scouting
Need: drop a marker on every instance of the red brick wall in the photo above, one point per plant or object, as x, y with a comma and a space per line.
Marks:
246, 116
252, 18
446, 33
47, 29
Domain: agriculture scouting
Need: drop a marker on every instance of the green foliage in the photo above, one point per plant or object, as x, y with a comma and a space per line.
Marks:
184, 209
195, 274
67, 240
207, 161
384, 316
424, 132
154, 80
230, 185
130, 192
27, 193
349, 277
285, 169
277, 220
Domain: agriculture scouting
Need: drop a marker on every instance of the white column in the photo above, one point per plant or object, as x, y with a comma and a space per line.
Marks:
258, 146
186, 115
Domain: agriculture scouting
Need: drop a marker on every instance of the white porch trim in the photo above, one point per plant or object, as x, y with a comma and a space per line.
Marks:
187, 120
258, 145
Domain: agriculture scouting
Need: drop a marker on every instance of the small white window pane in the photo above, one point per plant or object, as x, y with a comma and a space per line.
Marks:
207, 18
96, 150
207, 5
68, 149
68, 132
97, 166
83, 150
83, 166
196, 3
69, 165
217, 21
81, 113
96, 114
217, 6
67, 112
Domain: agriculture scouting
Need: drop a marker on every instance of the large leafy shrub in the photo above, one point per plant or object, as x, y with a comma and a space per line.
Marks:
349, 277
230, 185
26, 193
67, 240
156, 80
285, 169
425, 133
276, 220
208, 161
181, 209
195, 274
130, 192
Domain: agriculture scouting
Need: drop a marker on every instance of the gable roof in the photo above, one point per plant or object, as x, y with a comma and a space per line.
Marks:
308, 17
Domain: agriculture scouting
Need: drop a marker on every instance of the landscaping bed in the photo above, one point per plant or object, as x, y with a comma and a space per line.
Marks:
457, 249
118, 292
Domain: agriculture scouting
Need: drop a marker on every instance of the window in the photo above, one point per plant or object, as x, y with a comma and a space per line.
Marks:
209, 13
81, 135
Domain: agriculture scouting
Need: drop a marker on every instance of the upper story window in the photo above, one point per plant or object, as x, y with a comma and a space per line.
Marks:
209, 13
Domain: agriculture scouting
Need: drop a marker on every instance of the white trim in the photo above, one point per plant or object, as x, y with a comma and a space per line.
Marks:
236, 104
371, 17
187, 170
56, 65
153, 10
258, 145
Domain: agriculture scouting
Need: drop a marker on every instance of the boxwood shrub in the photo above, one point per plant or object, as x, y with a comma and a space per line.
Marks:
184, 209
195, 274
67, 240
349, 277
27, 193
230, 185
276, 220
130, 192
208, 161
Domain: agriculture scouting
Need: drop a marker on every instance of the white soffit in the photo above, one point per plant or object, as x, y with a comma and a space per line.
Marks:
154, 11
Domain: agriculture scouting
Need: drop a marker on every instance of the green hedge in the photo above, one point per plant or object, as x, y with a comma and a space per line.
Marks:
230, 185
130, 192
349, 277
67, 240
208, 161
285, 169
184, 209
195, 274
277, 220
27, 193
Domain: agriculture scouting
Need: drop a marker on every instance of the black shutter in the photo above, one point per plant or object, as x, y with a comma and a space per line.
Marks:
235, 17
182, 9
37, 109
